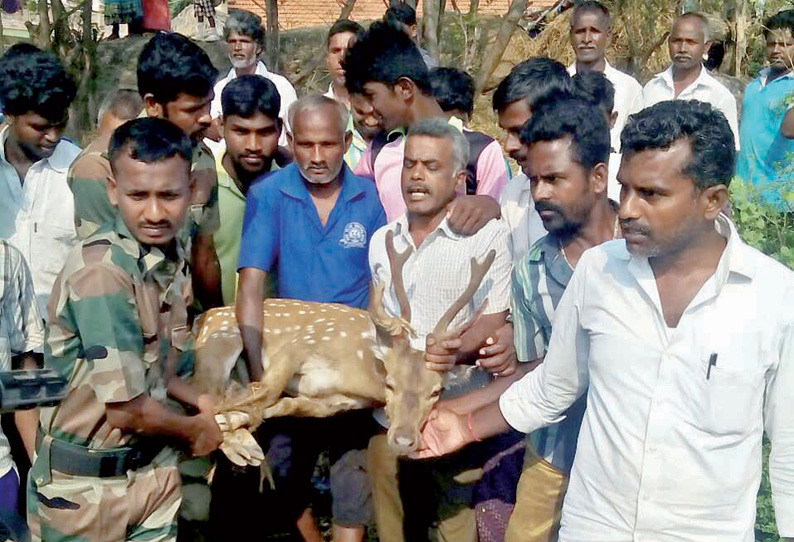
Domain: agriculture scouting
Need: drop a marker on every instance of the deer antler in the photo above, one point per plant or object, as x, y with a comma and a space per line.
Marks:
478, 271
396, 264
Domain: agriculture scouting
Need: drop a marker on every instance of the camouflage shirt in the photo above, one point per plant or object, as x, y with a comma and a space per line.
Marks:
92, 208
115, 313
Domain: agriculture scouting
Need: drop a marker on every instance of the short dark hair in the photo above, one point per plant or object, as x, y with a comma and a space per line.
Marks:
170, 64
344, 25
400, 13
782, 20
592, 6
124, 103
149, 140
245, 23
34, 80
384, 55
571, 118
706, 129
531, 81
453, 89
247, 95
594, 88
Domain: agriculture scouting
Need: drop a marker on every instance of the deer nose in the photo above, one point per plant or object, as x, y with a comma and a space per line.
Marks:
404, 442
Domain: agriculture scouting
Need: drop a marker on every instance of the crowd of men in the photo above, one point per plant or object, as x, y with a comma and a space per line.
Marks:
626, 351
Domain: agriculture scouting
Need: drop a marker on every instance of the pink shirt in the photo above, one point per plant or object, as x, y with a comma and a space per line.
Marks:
491, 174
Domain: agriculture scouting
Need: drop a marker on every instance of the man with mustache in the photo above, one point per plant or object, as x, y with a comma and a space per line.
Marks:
245, 41
680, 336
36, 207
175, 78
438, 496
118, 328
251, 128
765, 141
591, 33
311, 222
687, 78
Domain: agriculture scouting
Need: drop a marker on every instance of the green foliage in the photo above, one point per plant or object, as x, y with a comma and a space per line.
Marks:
767, 227
765, 526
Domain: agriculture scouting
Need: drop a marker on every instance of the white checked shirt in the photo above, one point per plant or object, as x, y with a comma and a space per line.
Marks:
628, 98
668, 450
284, 87
518, 212
704, 89
37, 215
21, 327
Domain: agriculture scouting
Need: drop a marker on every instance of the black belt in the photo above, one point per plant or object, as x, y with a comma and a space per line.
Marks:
81, 461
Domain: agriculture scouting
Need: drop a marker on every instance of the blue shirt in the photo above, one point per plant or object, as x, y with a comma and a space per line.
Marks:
763, 155
282, 230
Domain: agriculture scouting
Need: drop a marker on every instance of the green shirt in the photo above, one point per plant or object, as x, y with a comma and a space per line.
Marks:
231, 206
117, 316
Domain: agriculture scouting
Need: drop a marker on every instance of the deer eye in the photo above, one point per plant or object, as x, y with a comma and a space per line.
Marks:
436, 392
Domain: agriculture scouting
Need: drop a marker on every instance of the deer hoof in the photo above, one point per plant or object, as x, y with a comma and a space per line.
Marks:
231, 421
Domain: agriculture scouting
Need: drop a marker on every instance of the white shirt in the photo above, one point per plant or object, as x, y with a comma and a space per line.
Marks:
705, 89
668, 451
628, 98
518, 211
37, 216
284, 87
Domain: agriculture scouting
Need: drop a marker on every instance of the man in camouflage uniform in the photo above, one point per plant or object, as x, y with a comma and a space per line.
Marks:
175, 80
118, 329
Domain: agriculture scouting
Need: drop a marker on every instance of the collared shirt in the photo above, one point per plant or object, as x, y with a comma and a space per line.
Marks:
87, 180
21, 327
670, 446
523, 221
37, 215
388, 166
704, 89
764, 156
357, 145
285, 90
231, 207
539, 280
628, 98
117, 310
315, 262
435, 275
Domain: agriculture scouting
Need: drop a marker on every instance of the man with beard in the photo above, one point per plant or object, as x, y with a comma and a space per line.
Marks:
245, 41
527, 84
681, 338
312, 223
591, 32
687, 78
764, 159
251, 128
175, 79
36, 207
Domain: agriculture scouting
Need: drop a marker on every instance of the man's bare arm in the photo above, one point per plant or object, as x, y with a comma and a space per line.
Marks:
250, 295
206, 272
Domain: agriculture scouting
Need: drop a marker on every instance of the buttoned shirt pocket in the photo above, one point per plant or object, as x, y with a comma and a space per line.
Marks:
50, 244
733, 390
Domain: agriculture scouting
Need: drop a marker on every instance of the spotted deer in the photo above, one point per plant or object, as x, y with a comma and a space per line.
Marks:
320, 359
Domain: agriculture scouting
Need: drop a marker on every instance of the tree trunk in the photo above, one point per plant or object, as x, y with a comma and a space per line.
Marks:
740, 47
497, 50
442, 8
474, 5
44, 41
272, 42
347, 9
430, 28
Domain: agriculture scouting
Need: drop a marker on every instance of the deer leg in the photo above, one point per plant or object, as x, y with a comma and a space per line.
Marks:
312, 407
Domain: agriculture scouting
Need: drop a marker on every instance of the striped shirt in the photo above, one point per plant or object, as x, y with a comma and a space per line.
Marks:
21, 327
539, 280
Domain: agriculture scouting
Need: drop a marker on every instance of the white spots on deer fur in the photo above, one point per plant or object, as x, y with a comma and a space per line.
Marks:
320, 320
267, 330
276, 331
307, 337
311, 341
326, 338
301, 312
342, 334
360, 354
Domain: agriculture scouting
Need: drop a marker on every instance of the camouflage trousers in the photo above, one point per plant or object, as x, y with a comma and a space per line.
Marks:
142, 505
